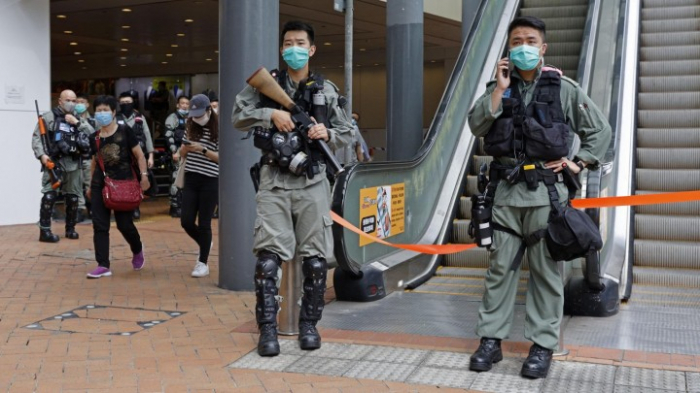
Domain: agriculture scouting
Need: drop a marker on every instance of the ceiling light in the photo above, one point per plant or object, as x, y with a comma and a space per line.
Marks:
125, 40
126, 9
180, 34
376, 64
81, 61
189, 20
68, 31
61, 16
327, 43
85, 68
163, 62
123, 57
126, 27
207, 59
122, 65
77, 53
174, 45
169, 55
358, 65
124, 50
73, 43
216, 51
432, 61
362, 49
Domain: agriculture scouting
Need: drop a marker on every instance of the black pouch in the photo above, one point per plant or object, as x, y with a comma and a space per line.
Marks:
572, 234
262, 138
499, 141
545, 143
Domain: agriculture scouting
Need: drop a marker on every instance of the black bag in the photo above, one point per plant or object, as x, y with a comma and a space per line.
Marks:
571, 234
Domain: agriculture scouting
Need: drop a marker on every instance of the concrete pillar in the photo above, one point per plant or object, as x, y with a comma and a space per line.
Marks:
248, 39
404, 68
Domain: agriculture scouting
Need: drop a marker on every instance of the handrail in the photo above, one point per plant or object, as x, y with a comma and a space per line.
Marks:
590, 34
616, 263
432, 178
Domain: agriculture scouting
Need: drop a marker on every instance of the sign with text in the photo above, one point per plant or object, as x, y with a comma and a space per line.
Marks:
382, 211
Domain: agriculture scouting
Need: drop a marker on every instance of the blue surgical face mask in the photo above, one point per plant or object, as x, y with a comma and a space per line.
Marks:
182, 112
80, 108
103, 118
525, 57
296, 57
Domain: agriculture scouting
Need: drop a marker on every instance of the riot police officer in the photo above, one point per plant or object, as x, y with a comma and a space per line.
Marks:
175, 126
525, 117
129, 115
82, 106
293, 201
68, 141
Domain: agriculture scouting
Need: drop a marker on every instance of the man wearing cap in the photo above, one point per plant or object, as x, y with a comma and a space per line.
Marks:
293, 204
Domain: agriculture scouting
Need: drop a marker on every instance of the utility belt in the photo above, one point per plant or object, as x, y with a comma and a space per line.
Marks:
570, 233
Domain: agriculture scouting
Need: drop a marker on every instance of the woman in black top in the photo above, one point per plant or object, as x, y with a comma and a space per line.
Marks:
117, 146
201, 191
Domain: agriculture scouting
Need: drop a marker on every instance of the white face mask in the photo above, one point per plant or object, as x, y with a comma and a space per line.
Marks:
202, 121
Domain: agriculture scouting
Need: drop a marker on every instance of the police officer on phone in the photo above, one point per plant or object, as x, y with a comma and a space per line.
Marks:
293, 201
68, 141
524, 105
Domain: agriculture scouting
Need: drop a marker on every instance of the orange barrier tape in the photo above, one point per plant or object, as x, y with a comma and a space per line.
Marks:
434, 249
636, 200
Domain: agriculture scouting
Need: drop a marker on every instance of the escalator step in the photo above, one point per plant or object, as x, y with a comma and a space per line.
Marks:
565, 23
667, 180
669, 3
671, 14
676, 209
669, 53
465, 207
556, 12
662, 26
669, 101
568, 48
665, 229
478, 160
569, 62
667, 68
471, 187
670, 158
550, 3
688, 118
564, 35
688, 278
668, 137
670, 39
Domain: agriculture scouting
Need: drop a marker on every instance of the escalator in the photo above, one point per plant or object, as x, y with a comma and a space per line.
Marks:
464, 272
666, 267
438, 181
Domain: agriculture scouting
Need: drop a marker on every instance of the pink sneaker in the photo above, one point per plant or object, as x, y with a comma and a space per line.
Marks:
138, 261
99, 271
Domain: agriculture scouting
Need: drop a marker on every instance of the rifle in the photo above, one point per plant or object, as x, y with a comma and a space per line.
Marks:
55, 172
266, 84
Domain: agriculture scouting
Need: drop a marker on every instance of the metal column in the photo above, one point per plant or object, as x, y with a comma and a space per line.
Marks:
248, 39
290, 291
349, 15
404, 68
469, 8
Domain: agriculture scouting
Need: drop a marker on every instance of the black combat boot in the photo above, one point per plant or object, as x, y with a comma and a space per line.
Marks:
71, 216
266, 306
489, 352
45, 234
537, 363
312, 302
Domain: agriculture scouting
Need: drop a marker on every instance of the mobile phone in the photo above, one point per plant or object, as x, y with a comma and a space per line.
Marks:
507, 72
186, 142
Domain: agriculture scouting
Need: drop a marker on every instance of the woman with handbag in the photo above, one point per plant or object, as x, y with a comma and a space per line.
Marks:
200, 194
115, 185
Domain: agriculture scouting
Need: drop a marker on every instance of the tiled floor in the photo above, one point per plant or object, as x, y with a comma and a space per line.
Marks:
188, 335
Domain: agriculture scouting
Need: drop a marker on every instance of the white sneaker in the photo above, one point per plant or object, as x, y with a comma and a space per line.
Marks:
200, 270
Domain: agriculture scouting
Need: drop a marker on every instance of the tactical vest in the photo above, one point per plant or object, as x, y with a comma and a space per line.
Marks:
64, 138
304, 98
538, 131
179, 133
137, 128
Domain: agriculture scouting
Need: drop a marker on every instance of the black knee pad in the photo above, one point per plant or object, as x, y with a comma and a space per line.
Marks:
48, 200
314, 268
267, 266
72, 199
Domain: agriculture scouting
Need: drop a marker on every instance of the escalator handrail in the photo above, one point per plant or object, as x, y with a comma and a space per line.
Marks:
617, 263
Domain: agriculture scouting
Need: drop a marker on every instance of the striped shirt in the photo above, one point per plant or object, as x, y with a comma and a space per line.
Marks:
198, 163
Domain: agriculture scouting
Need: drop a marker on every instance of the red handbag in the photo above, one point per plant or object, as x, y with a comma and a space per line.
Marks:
119, 195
